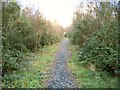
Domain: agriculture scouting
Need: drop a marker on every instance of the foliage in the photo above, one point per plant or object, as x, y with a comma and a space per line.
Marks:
97, 37
23, 33
87, 77
32, 73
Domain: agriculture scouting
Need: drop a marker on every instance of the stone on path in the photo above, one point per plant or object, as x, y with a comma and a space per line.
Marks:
61, 76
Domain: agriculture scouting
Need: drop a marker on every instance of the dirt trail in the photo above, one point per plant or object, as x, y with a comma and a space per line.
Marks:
61, 76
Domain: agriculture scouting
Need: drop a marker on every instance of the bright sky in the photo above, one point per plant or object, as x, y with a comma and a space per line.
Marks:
59, 10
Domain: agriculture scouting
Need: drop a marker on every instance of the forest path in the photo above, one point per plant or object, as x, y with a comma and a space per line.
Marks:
61, 77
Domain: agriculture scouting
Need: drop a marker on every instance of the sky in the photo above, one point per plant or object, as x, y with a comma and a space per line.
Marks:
54, 10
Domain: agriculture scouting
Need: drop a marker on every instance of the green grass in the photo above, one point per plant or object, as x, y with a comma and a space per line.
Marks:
44, 60
33, 73
87, 78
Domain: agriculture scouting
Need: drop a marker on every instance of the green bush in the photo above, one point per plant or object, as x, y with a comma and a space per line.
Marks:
97, 37
23, 33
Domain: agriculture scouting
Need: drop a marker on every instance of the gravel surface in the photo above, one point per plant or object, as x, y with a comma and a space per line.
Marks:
61, 77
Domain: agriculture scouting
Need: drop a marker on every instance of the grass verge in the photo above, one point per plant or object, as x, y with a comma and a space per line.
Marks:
87, 78
43, 61
34, 72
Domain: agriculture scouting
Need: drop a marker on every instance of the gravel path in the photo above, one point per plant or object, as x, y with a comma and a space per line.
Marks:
61, 76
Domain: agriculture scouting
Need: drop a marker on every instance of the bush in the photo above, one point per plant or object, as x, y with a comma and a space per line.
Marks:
97, 37
22, 33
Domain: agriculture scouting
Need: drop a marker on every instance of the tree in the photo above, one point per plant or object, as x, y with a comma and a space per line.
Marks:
96, 34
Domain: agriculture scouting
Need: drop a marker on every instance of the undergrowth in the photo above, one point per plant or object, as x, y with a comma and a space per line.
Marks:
87, 78
34, 72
